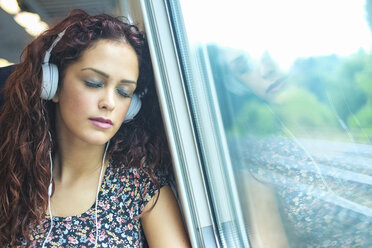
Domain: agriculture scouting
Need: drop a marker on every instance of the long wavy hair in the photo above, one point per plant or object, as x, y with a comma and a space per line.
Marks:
25, 120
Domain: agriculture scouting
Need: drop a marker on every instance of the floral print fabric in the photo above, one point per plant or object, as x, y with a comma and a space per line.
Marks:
123, 195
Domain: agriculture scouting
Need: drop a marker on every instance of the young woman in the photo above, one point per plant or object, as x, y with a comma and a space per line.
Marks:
87, 168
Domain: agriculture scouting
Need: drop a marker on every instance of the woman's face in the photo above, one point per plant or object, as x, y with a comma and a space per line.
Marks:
262, 76
96, 91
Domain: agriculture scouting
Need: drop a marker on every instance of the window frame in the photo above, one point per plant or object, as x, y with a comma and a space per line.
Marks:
178, 123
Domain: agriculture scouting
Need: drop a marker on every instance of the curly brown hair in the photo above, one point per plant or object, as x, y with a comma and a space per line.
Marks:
24, 140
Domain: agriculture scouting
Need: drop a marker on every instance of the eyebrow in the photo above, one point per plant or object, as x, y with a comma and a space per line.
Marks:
107, 76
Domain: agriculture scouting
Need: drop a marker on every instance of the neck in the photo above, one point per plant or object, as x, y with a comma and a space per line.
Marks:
77, 160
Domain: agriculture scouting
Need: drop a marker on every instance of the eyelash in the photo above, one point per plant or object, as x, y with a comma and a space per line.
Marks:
99, 85
93, 85
123, 93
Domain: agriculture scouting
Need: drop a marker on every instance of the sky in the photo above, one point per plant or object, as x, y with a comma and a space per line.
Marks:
287, 29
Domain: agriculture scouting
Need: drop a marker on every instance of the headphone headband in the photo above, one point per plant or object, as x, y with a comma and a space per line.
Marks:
51, 77
48, 52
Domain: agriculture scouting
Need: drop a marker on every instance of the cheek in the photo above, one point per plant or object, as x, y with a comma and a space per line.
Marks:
252, 80
76, 102
123, 110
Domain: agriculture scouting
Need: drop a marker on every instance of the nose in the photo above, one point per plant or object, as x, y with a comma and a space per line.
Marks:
268, 67
107, 100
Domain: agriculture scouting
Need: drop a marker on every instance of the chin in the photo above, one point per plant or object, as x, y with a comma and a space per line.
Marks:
97, 139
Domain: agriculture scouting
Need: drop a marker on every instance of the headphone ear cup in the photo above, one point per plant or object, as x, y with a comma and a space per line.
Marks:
50, 81
134, 108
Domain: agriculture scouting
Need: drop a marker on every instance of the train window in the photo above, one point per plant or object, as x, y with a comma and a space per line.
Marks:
279, 99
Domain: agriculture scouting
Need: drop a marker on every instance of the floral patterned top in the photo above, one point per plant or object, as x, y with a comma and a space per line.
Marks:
123, 195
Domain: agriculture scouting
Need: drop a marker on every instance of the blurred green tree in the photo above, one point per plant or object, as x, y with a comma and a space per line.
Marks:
301, 112
363, 118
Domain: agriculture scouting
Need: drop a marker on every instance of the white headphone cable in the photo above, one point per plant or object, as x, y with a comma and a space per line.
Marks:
50, 188
98, 187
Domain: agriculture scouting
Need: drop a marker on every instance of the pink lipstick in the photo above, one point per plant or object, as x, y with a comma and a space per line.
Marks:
274, 87
101, 122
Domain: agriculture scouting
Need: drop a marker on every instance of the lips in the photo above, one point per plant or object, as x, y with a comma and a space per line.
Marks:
101, 122
276, 85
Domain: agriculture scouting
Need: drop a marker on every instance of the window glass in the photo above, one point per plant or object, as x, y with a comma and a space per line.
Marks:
281, 94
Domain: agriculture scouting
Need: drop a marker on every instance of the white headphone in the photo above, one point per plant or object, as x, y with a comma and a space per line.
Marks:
50, 82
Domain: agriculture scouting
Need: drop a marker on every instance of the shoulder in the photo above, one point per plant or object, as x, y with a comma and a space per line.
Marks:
139, 177
136, 183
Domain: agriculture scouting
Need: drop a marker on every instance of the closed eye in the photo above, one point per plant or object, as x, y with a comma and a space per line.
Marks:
123, 92
93, 84
241, 65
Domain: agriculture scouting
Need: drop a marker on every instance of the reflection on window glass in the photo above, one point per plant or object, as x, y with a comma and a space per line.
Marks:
294, 86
